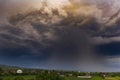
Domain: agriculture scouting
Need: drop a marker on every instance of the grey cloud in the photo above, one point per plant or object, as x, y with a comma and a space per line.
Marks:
72, 43
59, 41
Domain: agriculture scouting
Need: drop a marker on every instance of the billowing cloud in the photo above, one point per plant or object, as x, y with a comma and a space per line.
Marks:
60, 34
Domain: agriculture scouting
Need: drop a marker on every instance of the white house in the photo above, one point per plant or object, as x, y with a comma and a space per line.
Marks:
19, 71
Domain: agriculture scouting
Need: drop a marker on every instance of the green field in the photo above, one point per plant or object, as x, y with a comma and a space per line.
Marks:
27, 77
112, 78
70, 78
32, 77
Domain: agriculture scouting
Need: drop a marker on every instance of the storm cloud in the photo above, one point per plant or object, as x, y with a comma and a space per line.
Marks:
77, 35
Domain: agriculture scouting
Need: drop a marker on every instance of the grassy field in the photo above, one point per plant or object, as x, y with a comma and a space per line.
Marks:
112, 78
32, 77
70, 78
27, 77
107, 78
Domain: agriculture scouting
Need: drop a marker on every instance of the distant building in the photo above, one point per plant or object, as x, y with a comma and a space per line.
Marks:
19, 71
84, 76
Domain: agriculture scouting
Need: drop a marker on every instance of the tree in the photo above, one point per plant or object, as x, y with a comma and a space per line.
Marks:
1, 71
82, 74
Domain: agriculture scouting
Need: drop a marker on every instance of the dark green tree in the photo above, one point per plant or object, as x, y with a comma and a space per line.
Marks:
1, 71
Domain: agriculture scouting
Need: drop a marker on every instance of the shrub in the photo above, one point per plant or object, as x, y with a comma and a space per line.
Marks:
19, 78
97, 78
31, 79
7, 79
1, 78
48, 76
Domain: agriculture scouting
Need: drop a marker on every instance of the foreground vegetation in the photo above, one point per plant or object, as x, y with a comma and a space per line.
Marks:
33, 77
35, 74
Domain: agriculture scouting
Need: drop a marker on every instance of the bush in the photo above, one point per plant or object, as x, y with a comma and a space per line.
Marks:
31, 79
7, 79
48, 76
97, 78
1, 78
1, 71
19, 78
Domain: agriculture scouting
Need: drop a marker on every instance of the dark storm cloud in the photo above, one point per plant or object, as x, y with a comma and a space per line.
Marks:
65, 44
109, 49
109, 32
112, 27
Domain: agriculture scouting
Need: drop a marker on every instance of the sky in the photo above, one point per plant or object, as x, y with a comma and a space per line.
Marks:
77, 35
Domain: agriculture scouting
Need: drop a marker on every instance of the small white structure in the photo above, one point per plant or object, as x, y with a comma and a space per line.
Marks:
19, 71
62, 75
84, 76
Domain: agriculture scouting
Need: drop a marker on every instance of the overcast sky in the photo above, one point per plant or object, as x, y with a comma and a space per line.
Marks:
60, 34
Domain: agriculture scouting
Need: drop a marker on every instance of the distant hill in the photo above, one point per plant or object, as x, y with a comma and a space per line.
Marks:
8, 67
5, 67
